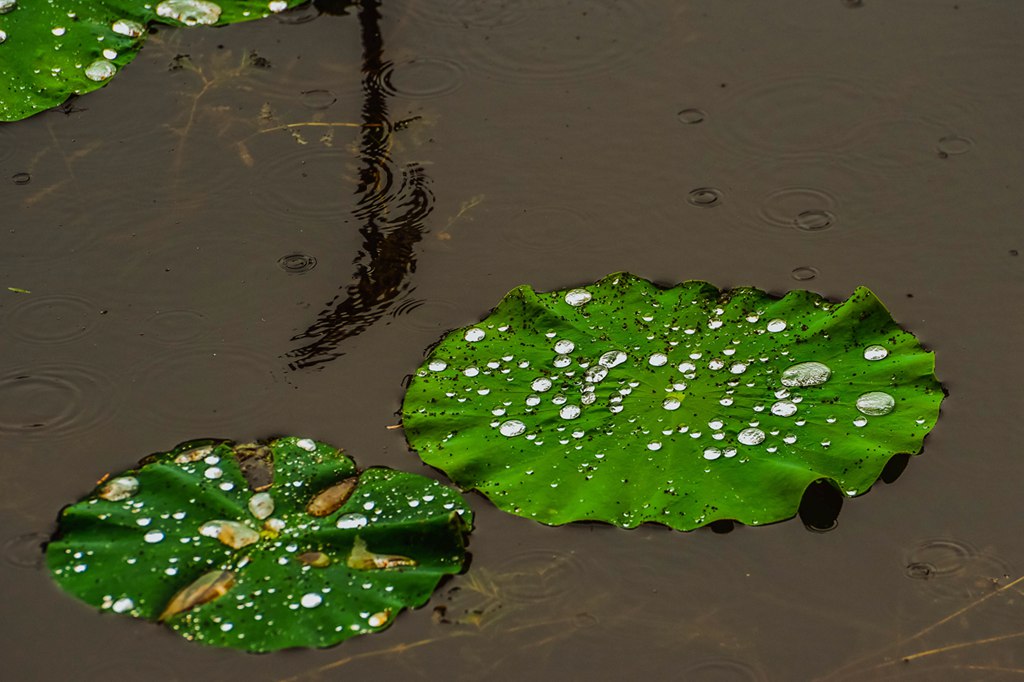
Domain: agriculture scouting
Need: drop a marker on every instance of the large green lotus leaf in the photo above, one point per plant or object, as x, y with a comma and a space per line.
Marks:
51, 49
322, 552
628, 403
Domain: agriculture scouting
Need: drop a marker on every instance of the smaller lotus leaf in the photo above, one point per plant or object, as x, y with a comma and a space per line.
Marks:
51, 49
260, 547
627, 403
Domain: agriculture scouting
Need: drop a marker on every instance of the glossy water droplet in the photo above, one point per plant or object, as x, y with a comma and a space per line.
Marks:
153, 536
716, 364
437, 365
512, 428
213, 473
564, 347
122, 605
7, 5
691, 116
475, 334
671, 403
296, 263
729, 452
311, 600
751, 436
784, 408
860, 421
806, 374
110, 54
562, 361
658, 359
712, 453
738, 368
804, 273
100, 70
654, 445
3, 36
595, 374
705, 197
814, 221
120, 488
532, 400
776, 325
875, 352
568, 412
378, 619
541, 385
231, 533
127, 27
578, 297
875, 403
612, 358
190, 12
261, 505
58, 31
346, 521
278, 6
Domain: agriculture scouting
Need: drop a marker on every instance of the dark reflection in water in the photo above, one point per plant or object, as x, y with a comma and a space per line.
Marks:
392, 208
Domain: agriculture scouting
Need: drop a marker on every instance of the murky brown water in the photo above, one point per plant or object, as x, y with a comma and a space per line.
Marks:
203, 260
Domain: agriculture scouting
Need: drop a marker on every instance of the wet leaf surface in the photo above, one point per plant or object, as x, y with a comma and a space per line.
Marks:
180, 540
52, 50
628, 403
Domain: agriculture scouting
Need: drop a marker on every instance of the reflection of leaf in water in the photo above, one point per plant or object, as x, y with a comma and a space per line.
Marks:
56, 49
627, 403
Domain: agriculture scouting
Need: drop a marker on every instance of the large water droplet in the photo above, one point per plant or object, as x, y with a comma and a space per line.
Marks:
738, 368
127, 27
346, 521
120, 488
569, 412
475, 334
276, 6
122, 605
7, 5
776, 325
712, 453
612, 358
658, 359
100, 70
437, 365
784, 408
190, 12
671, 403
875, 352
751, 436
565, 346
3, 36
578, 297
595, 374
512, 428
153, 536
875, 403
541, 385
261, 505
806, 374
311, 600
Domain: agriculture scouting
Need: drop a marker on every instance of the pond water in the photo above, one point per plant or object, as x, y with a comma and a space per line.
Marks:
241, 236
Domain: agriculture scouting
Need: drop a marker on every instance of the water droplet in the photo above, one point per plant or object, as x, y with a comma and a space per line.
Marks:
671, 403
658, 359
296, 263
612, 358
751, 436
784, 408
307, 444
712, 453
532, 400
875, 352
705, 197
654, 445
58, 31
953, 145
691, 116
564, 346
7, 6
475, 334
776, 325
311, 600
437, 365
122, 605
738, 368
806, 374
153, 536
513, 428
346, 521
378, 619
261, 505
875, 403
685, 367
100, 70
541, 385
860, 421
189, 12
110, 54
562, 361
578, 297
470, 372
127, 27
814, 221
278, 6
213, 473
716, 364
729, 452
804, 273
567, 412
3, 36
231, 533
120, 488
595, 374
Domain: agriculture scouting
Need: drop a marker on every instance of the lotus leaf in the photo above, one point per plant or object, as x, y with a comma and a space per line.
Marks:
58, 48
628, 403
260, 547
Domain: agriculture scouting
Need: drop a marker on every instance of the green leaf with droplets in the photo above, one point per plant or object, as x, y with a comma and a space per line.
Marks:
628, 403
52, 49
260, 547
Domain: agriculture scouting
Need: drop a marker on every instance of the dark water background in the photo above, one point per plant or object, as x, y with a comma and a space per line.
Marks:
168, 234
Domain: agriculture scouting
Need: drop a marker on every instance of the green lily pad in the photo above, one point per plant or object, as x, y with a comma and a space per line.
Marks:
628, 403
50, 50
260, 547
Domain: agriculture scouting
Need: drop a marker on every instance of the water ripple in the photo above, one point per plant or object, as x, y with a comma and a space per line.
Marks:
52, 318
56, 400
